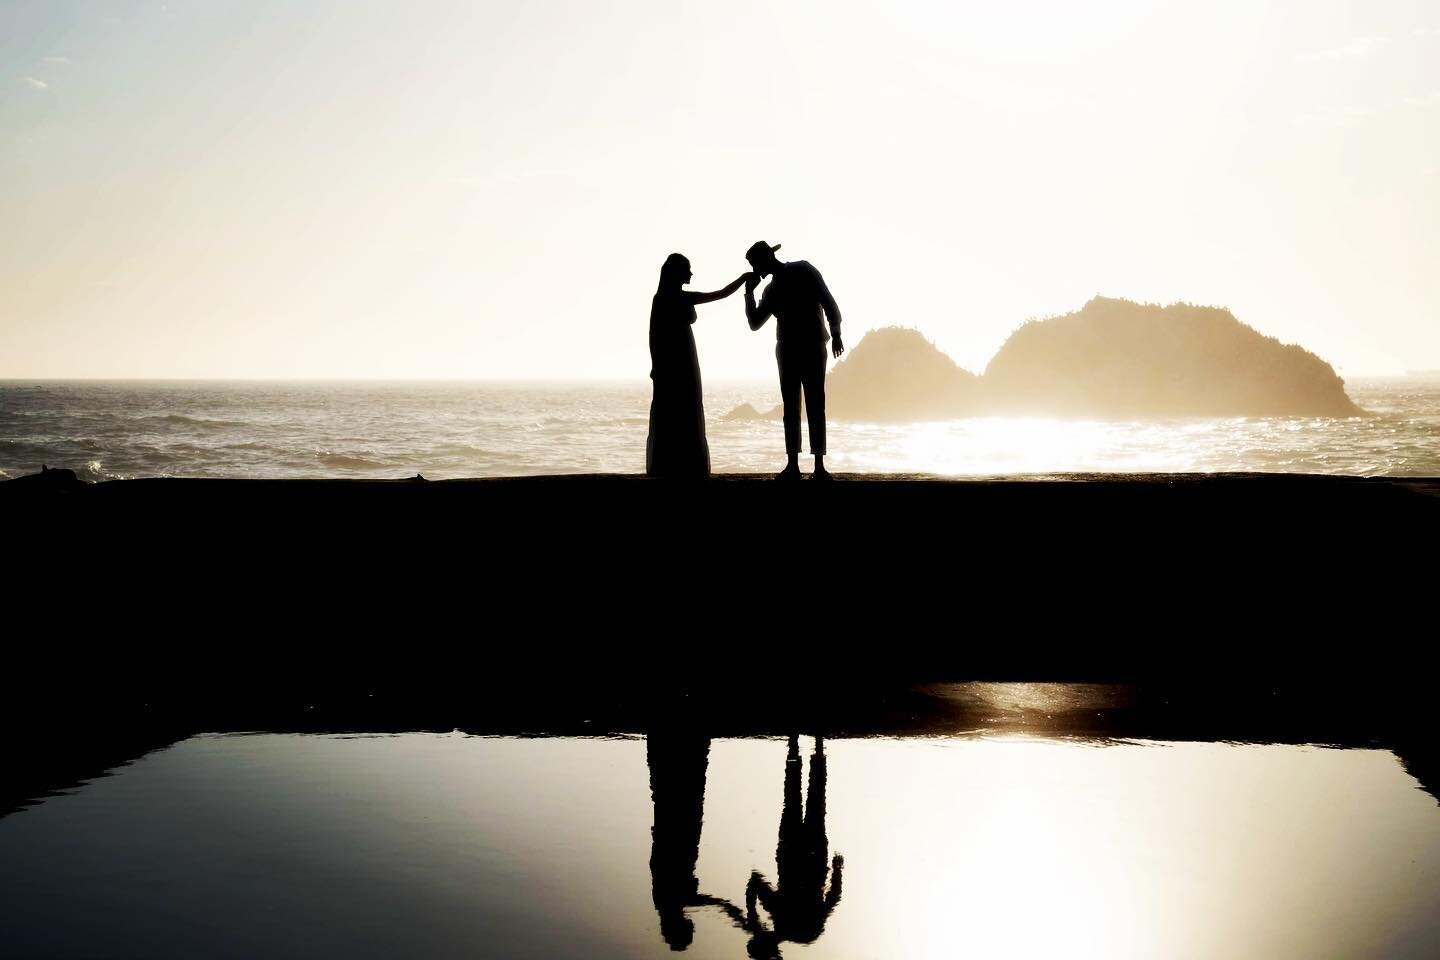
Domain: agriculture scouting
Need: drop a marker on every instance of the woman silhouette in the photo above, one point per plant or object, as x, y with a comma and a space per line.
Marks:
676, 446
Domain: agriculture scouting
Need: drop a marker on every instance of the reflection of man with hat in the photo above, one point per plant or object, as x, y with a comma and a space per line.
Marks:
795, 298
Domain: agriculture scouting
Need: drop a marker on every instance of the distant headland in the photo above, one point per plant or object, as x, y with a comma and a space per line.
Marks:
1110, 359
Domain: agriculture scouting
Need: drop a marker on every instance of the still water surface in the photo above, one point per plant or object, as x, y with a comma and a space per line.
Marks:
421, 845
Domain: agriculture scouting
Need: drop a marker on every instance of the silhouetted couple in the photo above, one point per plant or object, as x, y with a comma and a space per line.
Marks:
798, 904
802, 307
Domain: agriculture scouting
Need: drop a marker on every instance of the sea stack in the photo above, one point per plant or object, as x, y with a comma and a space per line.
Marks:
1117, 358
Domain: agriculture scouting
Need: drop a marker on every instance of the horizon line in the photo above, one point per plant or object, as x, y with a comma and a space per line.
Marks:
303, 379
1412, 373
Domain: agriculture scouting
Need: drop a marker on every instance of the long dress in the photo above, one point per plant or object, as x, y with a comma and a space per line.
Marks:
676, 446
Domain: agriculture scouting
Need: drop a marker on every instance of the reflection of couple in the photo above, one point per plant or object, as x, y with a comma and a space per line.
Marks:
798, 904
802, 307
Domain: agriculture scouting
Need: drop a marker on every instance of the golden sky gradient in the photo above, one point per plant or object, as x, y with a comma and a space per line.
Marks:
215, 188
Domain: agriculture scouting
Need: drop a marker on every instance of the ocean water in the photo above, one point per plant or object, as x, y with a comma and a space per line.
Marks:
448, 845
107, 430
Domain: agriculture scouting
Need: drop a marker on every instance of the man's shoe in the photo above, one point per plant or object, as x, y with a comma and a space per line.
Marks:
822, 474
789, 473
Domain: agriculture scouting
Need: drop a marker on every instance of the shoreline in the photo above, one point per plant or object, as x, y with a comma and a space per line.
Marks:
1133, 477
94, 736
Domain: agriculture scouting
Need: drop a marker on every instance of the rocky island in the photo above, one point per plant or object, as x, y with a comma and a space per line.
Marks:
1111, 358
1116, 358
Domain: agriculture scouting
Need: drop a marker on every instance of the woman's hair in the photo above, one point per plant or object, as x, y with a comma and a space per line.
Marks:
672, 272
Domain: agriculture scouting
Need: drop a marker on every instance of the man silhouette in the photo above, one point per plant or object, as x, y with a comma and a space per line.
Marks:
800, 901
796, 297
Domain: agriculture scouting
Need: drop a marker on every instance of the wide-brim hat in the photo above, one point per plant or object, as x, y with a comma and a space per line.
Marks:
759, 247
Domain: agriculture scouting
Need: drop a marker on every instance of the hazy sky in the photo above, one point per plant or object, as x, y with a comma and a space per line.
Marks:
487, 189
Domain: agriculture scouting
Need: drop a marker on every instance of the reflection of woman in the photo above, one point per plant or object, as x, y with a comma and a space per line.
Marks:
677, 761
676, 446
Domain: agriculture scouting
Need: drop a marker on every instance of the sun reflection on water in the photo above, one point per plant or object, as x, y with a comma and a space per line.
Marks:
980, 846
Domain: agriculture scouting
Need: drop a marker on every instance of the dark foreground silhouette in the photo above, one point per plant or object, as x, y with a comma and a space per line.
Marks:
1223, 575
1216, 575
1251, 607
179, 585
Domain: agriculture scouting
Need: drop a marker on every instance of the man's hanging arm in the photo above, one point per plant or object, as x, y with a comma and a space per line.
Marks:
832, 316
832, 897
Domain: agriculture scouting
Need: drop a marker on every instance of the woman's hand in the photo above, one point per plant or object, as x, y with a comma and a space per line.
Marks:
694, 297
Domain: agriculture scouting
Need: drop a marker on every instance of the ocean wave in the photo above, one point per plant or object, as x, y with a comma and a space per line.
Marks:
95, 470
454, 450
345, 461
201, 422
254, 445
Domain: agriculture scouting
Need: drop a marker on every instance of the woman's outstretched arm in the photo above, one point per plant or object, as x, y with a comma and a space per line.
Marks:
694, 297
